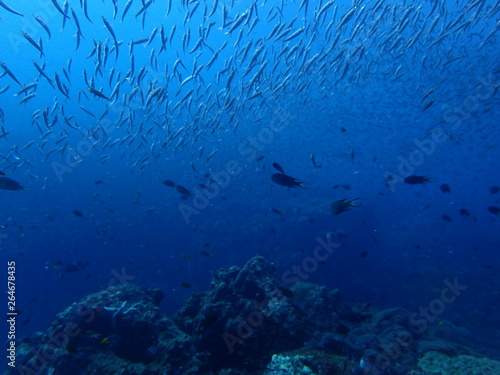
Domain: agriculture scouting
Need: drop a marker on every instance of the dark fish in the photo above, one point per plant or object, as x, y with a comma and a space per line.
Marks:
65, 10
43, 24
342, 129
464, 212
75, 266
97, 93
126, 8
9, 72
40, 70
205, 254
85, 10
278, 212
98, 182
9, 9
278, 167
60, 85
494, 189
58, 7
33, 43
183, 191
414, 180
363, 254
77, 22
446, 217
169, 183
313, 160
186, 285
428, 105
445, 188
285, 180
343, 205
78, 213
345, 187
426, 95
9, 184
110, 29
494, 210
260, 158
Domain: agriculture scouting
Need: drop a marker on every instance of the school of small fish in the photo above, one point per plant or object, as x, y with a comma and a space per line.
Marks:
209, 67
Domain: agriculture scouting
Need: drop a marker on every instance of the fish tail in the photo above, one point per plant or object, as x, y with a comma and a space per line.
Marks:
351, 202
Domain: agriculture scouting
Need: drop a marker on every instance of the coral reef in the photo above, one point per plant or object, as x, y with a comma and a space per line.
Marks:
245, 317
246, 323
436, 363
120, 330
286, 365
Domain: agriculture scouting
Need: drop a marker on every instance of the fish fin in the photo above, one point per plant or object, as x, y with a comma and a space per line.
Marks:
353, 200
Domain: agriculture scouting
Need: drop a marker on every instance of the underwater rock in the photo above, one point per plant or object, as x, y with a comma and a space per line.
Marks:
121, 327
385, 341
306, 363
286, 365
390, 318
247, 323
438, 363
245, 317
437, 345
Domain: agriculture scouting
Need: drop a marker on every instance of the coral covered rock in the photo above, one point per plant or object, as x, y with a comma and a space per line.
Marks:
247, 323
245, 317
440, 364
289, 365
119, 328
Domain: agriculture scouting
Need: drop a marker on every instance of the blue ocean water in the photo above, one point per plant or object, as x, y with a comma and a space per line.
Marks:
373, 91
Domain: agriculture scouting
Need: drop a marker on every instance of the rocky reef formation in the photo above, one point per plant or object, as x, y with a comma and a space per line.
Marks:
120, 330
436, 363
246, 323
